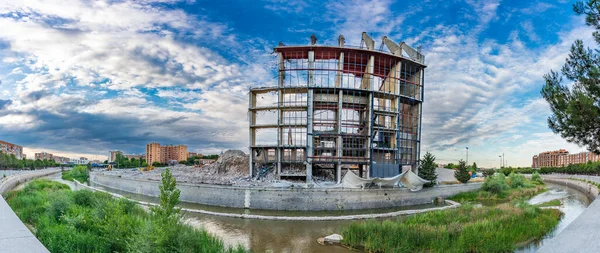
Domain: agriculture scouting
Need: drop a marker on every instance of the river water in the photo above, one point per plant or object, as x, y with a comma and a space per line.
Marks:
573, 203
301, 236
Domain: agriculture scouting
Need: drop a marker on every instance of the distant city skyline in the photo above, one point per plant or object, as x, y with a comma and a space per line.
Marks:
75, 83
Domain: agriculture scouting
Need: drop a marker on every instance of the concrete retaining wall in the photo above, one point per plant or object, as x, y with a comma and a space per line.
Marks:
14, 235
305, 199
582, 234
591, 191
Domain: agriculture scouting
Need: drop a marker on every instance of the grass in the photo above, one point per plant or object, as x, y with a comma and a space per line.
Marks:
85, 221
555, 202
78, 173
498, 228
498, 188
466, 229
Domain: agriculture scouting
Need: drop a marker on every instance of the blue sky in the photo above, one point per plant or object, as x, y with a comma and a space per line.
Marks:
84, 77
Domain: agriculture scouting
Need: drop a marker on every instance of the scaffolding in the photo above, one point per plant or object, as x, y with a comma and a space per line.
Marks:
339, 107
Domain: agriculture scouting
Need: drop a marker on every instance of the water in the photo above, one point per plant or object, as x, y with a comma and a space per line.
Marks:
573, 203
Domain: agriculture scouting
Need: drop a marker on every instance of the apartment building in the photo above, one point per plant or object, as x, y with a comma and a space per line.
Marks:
80, 161
136, 156
61, 160
9, 148
112, 155
561, 158
44, 156
163, 154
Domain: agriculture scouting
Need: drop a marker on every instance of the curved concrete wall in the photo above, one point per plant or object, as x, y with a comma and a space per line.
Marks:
313, 199
14, 235
582, 234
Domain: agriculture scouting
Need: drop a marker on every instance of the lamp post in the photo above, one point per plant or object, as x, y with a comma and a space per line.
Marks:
500, 161
467, 155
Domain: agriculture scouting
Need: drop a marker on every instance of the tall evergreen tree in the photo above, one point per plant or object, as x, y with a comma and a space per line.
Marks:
576, 110
462, 173
427, 169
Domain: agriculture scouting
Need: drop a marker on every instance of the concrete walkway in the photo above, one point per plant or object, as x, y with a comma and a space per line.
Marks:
15, 237
583, 233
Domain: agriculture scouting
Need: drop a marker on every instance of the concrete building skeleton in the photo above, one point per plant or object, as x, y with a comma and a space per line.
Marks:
339, 107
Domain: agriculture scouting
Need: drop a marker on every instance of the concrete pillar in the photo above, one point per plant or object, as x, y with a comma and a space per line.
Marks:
370, 132
309, 114
252, 132
338, 78
340, 140
366, 79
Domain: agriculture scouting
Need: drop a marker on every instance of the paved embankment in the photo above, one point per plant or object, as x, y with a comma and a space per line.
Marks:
15, 237
450, 205
302, 199
583, 233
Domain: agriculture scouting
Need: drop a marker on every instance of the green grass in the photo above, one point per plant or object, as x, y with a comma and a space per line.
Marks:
555, 202
466, 229
85, 221
78, 173
498, 188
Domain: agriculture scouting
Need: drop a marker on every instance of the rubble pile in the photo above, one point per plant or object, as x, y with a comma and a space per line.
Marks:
232, 168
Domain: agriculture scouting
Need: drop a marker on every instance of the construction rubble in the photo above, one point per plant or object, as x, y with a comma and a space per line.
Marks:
232, 168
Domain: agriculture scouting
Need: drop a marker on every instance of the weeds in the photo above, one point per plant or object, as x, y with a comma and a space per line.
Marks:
466, 229
78, 173
85, 221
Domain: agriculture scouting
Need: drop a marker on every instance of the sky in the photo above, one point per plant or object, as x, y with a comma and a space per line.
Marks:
81, 77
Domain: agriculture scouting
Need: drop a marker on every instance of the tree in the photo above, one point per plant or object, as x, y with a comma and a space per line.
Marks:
166, 215
462, 174
576, 111
427, 169
474, 167
169, 196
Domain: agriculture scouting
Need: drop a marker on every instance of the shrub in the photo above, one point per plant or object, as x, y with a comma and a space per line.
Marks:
536, 178
462, 173
489, 172
79, 173
495, 184
83, 198
516, 180
85, 221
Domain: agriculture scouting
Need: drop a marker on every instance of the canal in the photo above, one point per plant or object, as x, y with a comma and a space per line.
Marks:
301, 236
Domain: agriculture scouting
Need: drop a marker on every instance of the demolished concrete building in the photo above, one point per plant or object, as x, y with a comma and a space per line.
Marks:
339, 107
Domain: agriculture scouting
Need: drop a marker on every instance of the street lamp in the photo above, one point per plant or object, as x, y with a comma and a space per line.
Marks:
467, 155
500, 161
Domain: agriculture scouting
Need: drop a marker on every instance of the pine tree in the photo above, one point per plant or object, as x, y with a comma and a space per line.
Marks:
427, 169
576, 110
462, 173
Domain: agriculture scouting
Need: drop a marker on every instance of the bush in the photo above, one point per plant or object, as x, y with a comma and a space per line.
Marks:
516, 180
489, 172
462, 173
495, 184
536, 178
79, 173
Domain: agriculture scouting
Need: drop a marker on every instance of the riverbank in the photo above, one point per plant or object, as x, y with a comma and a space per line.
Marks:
85, 221
501, 226
288, 199
582, 234
15, 237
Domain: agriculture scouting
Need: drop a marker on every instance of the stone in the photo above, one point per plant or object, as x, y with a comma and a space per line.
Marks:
334, 238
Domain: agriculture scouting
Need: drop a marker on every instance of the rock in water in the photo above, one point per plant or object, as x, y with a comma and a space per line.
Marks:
334, 238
